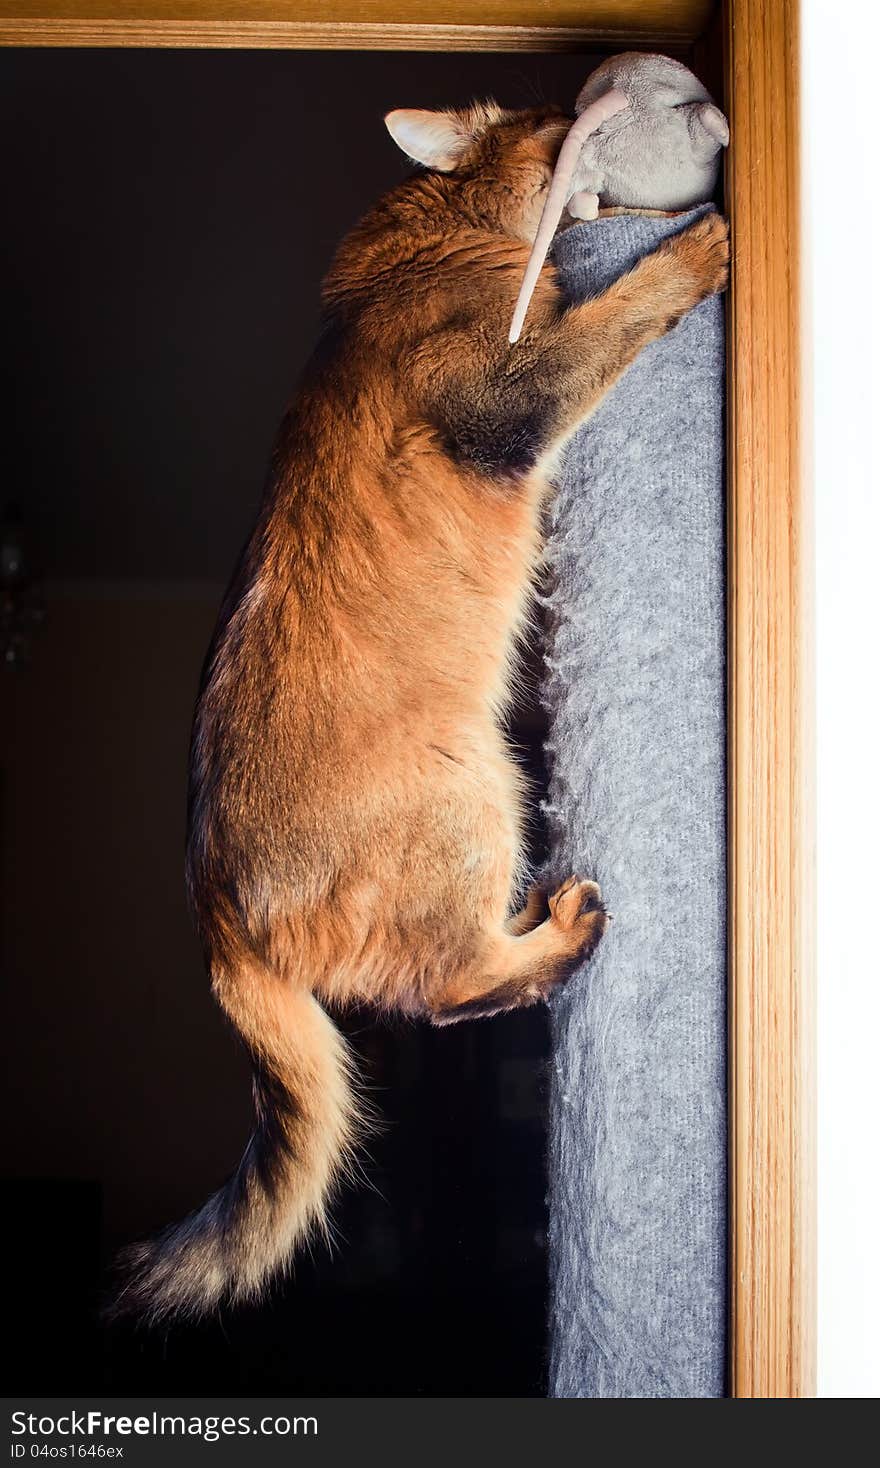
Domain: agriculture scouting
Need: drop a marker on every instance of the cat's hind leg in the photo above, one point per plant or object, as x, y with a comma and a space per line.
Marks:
509, 972
530, 916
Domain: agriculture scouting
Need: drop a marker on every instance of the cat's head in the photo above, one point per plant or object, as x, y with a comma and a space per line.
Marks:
498, 165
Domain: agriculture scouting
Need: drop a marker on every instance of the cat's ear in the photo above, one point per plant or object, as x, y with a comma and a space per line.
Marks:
708, 128
436, 139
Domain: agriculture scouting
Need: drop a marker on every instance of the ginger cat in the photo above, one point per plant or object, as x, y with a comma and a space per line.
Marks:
355, 816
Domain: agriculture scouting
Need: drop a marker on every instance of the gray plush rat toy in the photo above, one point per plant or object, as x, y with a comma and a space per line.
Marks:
647, 136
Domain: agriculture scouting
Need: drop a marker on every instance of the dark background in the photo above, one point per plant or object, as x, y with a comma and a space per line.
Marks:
168, 219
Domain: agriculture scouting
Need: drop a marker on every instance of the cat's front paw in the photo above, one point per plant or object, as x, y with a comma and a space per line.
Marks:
702, 254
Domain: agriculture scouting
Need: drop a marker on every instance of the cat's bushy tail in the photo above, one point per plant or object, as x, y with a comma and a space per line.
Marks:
307, 1119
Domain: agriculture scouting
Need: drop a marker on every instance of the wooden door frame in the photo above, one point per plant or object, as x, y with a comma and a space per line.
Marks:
770, 559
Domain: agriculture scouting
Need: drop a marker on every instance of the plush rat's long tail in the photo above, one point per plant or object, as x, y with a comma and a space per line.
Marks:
307, 1120
590, 119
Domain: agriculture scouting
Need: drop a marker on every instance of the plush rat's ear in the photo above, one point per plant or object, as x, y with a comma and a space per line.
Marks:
708, 128
435, 139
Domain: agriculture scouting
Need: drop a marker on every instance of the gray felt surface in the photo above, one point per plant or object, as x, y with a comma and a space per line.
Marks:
635, 686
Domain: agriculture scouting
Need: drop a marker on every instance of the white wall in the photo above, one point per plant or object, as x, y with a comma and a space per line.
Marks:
842, 176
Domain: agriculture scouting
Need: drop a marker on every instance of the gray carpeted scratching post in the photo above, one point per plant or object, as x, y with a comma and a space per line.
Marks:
635, 689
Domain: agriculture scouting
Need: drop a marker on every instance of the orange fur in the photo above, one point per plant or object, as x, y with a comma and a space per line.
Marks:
355, 815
